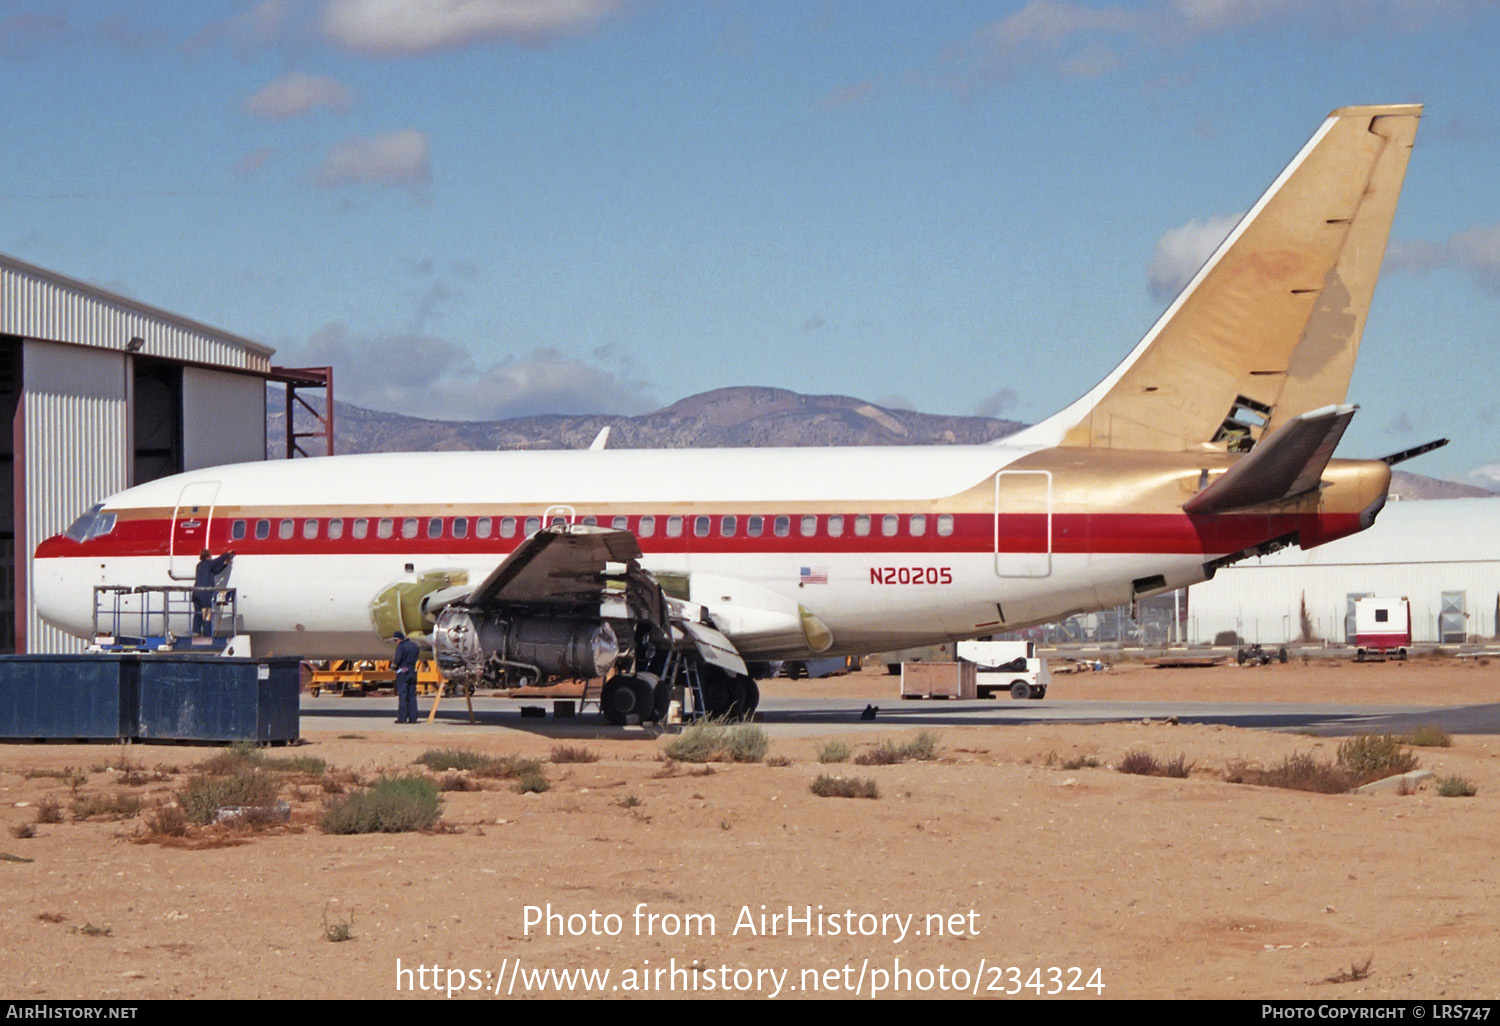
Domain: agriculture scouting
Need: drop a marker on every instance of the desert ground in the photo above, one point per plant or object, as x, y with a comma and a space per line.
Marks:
989, 869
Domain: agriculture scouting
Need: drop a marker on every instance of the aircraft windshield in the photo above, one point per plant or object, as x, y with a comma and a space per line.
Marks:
93, 524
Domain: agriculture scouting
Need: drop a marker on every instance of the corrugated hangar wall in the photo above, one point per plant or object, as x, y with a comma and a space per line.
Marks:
76, 445
1443, 555
108, 392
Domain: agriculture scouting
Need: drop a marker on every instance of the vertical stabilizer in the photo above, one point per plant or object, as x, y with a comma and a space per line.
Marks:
1269, 327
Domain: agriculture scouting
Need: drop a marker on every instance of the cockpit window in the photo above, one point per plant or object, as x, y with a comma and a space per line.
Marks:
93, 524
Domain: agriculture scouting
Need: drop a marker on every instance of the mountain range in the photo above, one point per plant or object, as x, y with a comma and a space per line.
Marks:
745, 416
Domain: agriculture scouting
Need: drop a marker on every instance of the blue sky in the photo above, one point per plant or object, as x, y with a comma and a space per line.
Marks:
501, 207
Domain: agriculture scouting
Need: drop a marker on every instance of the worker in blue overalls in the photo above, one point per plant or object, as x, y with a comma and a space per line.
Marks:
205, 581
404, 662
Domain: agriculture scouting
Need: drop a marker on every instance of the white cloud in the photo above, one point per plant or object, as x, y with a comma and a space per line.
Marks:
296, 93
426, 376
1181, 251
1486, 476
405, 27
395, 158
997, 403
1476, 250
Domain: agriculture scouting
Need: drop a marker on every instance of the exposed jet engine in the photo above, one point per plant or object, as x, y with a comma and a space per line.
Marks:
474, 646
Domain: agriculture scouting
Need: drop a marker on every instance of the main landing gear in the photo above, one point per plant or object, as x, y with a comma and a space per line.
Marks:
714, 692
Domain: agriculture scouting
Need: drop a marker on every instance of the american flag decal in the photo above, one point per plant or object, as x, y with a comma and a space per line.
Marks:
814, 575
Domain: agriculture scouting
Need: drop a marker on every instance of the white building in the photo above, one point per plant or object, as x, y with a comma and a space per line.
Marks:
1441, 554
97, 393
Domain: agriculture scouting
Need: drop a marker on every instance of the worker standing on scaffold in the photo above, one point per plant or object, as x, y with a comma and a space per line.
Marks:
205, 580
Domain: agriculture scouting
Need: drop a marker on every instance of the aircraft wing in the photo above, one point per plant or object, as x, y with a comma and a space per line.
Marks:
1284, 465
566, 565
584, 570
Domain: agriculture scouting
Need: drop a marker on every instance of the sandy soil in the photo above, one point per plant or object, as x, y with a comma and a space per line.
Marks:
1166, 887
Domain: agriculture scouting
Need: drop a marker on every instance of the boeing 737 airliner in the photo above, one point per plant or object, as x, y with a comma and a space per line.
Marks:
1212, 441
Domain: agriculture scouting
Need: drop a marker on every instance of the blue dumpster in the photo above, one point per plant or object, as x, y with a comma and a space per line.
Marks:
213, 698
68, 697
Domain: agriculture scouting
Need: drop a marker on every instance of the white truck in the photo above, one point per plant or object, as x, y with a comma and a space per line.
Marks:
1382, 628
1006, 666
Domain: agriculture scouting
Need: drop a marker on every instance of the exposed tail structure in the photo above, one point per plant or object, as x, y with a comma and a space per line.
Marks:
1269, 328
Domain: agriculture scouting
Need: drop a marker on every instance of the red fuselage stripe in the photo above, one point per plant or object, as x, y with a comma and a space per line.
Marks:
1169, 534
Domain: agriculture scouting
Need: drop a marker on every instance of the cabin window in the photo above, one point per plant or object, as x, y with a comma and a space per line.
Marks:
309, 528
918, 525
482, 527
361, 527
755, 526
862, 524
701, 526
434, 527
558, 520
336, 528
620, 523
508, 527
945, 524
1382, 615
727, 526
591, 521
460, 527
889, 524
385, 528
648, 527
835, 526
674, 527
809, 526
287, 528
408, 527
782, 526
237, 530
533, 525
262, 529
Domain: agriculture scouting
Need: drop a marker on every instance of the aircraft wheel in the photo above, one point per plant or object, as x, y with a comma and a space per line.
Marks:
752, 697
1020, 689
736, 707
715, 695
617, 700
661, 696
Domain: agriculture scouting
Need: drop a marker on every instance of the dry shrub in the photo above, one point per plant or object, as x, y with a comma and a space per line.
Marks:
22, 831
571, 753
833, 751
1428, 735
1178, 767
1368, 757
457, 782
109, 806
391, 805
921, 748
1140, 763
779, 760
825, 786
167, 820
715, 741
246, 786
49, 810
1456, 787
1301, 771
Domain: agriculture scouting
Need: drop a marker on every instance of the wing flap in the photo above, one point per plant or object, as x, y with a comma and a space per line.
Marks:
1288, 463
557, 566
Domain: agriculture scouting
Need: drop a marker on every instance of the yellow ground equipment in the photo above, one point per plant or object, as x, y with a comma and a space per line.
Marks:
361, 676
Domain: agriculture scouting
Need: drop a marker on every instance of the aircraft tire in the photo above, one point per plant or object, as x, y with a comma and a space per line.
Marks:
617, 700
716, 696
752, 697
1020, 690
661, 696
736, 707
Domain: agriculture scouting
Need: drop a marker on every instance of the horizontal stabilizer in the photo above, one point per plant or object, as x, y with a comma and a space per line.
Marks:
1412, 453
1286, 464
